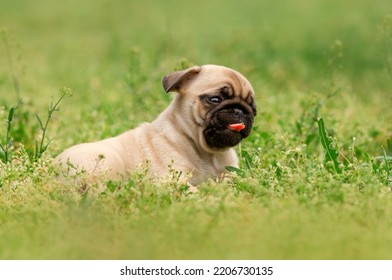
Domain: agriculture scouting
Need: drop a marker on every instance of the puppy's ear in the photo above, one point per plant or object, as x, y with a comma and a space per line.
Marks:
175, 80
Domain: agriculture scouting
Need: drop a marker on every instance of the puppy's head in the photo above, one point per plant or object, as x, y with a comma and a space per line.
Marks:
216, 104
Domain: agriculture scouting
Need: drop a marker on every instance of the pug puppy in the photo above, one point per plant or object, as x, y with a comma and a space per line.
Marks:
212, 111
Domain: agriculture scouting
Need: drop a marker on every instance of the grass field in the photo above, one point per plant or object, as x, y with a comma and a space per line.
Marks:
307, 60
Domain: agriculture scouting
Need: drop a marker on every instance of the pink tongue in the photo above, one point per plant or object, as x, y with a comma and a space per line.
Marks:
236, 127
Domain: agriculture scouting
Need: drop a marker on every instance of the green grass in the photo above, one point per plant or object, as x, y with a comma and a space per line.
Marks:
315, 175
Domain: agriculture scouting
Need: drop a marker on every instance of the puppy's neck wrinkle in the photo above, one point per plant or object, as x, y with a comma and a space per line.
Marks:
171, 125
184, 133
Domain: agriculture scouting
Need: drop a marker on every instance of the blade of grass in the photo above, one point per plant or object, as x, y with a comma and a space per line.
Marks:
248, 159
5, 148
387, 168
384, 158
41, 147
235, 170
327, 142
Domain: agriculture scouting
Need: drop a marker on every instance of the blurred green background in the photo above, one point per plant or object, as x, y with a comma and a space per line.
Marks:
118, 51
274, 42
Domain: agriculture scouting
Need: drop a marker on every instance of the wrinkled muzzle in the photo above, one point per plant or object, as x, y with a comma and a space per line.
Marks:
228, 124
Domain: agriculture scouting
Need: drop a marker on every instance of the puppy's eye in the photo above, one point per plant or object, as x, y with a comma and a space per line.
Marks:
215, 99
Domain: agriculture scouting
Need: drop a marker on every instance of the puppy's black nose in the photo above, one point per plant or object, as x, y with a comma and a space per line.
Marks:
238, 113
